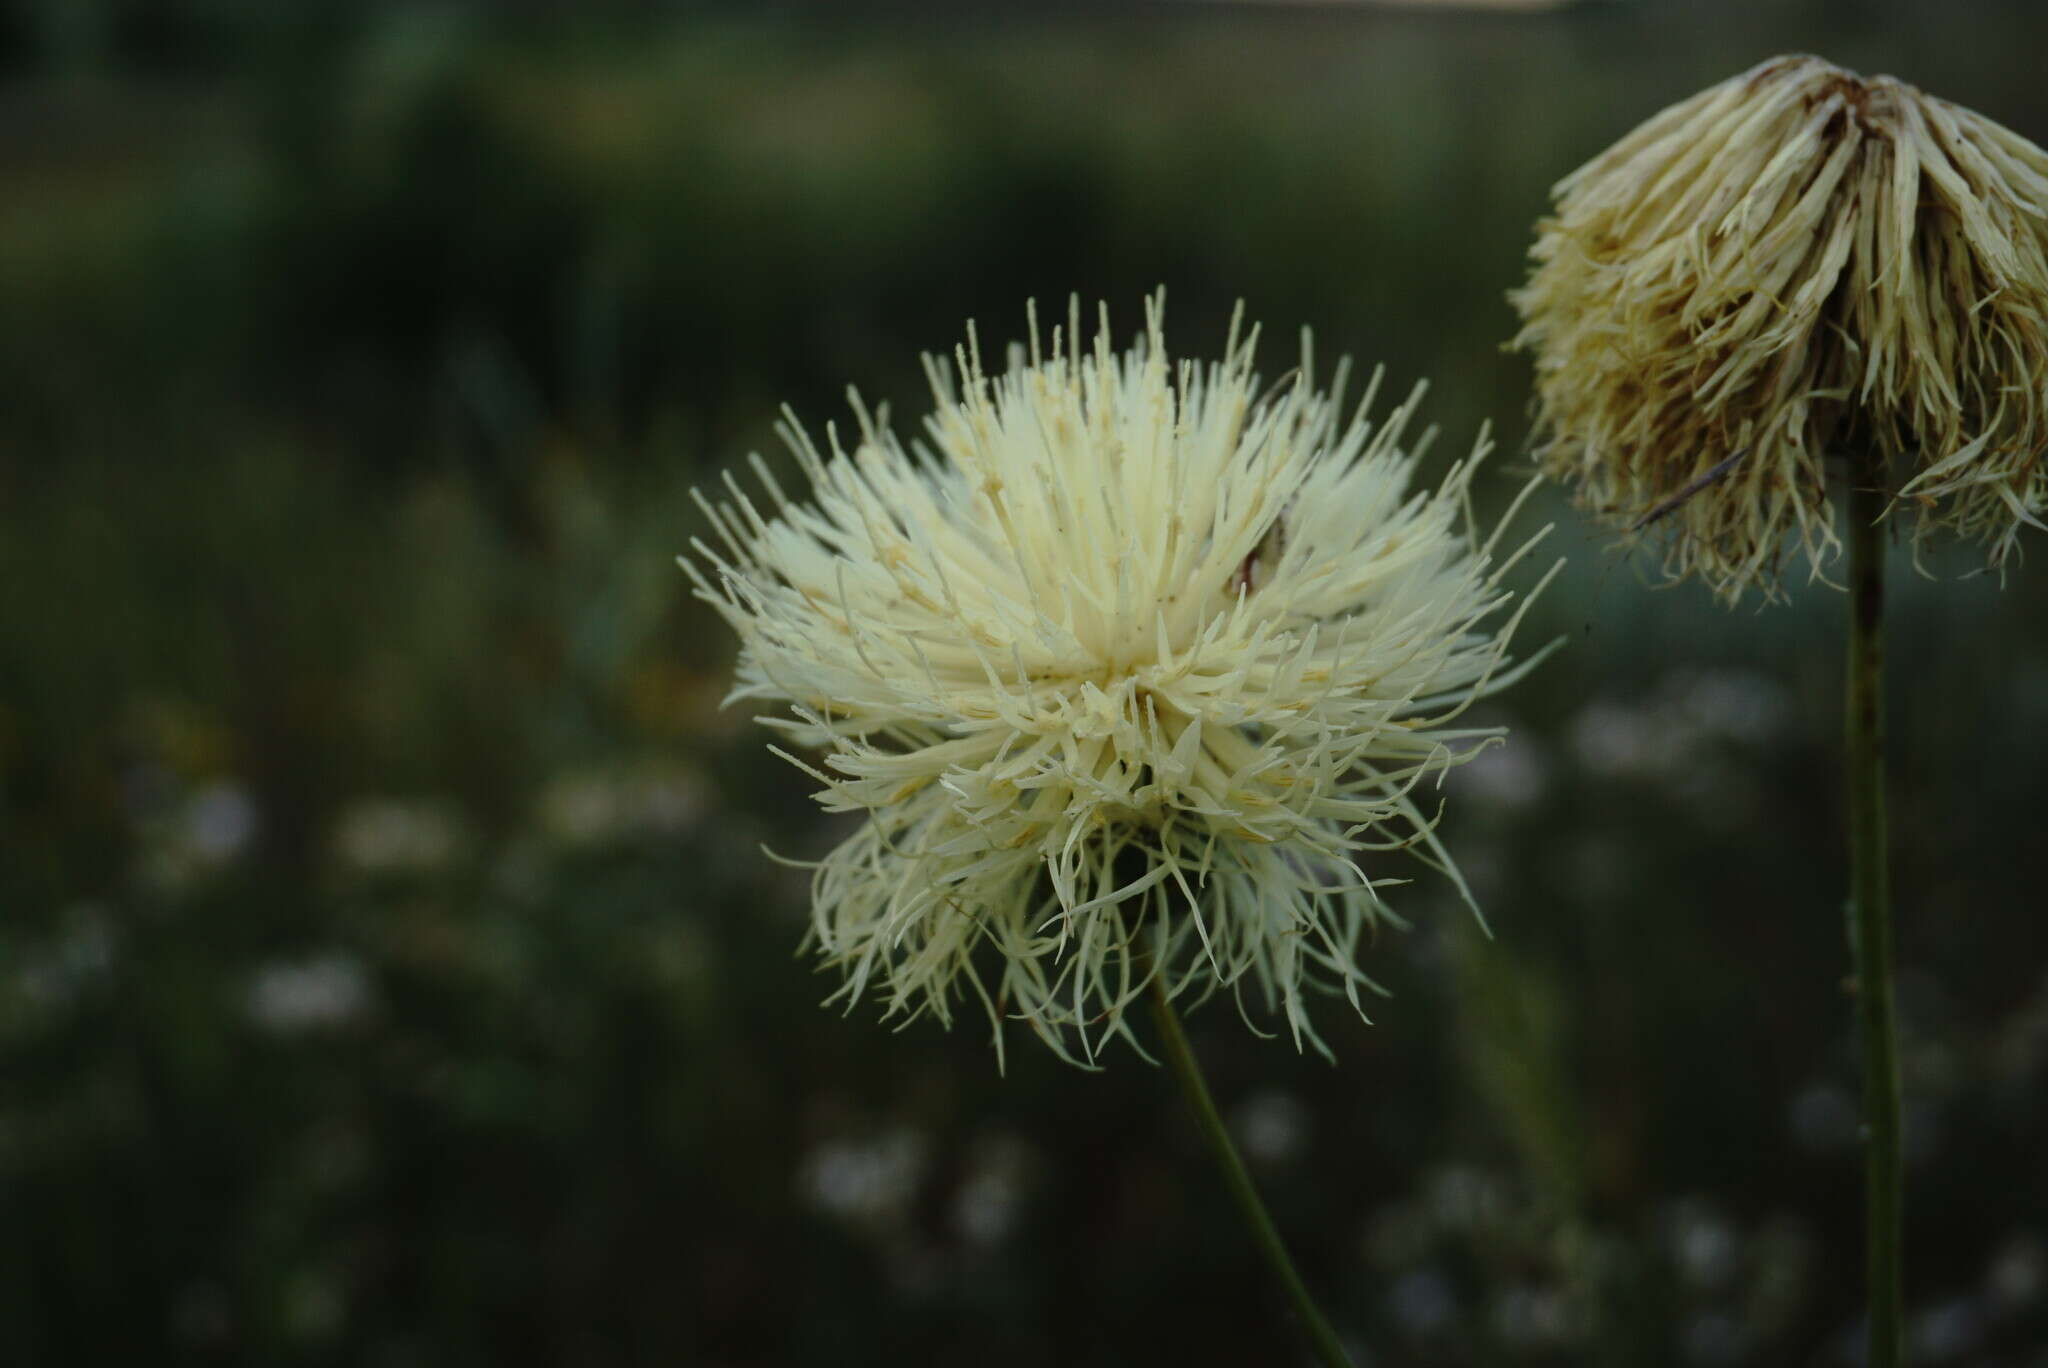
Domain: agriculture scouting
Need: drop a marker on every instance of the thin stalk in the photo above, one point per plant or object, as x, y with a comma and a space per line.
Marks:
1870, 919
1264, 1234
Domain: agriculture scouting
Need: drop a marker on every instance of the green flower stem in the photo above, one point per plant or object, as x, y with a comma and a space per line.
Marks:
1264, 1234
1870, 924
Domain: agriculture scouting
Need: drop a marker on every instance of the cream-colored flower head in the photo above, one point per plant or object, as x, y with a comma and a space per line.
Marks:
1796, 264
1128, 669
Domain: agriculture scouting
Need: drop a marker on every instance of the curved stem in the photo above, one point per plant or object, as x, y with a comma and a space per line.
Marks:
1870, 926
1264, 1234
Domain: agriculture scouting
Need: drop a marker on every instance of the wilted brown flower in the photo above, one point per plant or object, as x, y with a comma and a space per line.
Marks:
1797, 264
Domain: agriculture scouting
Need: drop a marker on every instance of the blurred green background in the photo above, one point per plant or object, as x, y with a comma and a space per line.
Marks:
388, 972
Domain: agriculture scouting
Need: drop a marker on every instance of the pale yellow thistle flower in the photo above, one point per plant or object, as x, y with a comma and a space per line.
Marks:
1126, 668
1796, 264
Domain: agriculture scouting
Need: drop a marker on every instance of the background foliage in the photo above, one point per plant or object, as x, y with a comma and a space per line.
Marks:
388, 974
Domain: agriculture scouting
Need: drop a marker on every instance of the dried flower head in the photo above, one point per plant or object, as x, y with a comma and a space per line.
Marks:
1125, 667
1796, 264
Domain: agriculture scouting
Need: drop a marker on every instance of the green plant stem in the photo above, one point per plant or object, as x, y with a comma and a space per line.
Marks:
1870, 924
1265, 1235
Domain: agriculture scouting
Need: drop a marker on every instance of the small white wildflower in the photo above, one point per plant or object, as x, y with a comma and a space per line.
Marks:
220, 822
603, 809
1272, 1126
396, 836
866, 1181
1125, 667
990, 1197
322, 992
1506, 776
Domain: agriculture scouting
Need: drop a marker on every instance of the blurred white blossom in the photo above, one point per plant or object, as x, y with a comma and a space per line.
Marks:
865, 1181
317, 993
396, 836
220, 821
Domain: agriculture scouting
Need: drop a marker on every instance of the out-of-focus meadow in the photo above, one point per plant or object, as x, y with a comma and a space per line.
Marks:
389, 974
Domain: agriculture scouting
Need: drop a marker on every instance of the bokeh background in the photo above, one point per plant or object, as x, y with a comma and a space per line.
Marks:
388, 971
